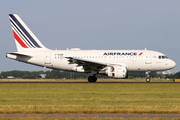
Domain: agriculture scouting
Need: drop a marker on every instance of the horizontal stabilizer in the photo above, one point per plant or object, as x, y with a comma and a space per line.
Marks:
20, 54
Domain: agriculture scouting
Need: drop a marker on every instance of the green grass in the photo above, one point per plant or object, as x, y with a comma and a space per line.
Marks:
90, 98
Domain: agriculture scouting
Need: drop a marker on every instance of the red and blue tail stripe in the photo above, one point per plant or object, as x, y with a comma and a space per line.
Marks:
19, 40
22, 36
18, 33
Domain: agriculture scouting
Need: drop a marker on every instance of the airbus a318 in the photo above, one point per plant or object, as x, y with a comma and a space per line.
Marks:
112, 63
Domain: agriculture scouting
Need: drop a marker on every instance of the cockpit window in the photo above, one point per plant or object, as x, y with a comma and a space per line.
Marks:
163, 57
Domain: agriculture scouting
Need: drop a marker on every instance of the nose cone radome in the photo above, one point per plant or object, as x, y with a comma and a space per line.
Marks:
172, 64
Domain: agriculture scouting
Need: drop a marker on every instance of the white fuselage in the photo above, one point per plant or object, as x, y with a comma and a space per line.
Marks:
136, 60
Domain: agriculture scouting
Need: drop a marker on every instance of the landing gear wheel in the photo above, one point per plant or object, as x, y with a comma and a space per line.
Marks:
95, 78
148, 80
92, 78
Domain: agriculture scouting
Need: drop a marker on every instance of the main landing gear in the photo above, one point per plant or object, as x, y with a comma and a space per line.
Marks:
92, 78
148, 79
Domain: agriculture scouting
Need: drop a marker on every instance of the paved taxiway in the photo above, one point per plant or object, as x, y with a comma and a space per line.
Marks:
89, 83
126, 116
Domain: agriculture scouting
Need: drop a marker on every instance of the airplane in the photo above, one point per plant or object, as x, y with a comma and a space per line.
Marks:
112, 63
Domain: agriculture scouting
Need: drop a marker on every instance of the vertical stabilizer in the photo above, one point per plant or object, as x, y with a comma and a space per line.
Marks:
24, 38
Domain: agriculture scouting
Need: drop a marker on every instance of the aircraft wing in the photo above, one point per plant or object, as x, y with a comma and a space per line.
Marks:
87, 64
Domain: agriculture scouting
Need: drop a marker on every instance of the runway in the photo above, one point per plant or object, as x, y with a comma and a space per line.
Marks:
89, 82
125, 116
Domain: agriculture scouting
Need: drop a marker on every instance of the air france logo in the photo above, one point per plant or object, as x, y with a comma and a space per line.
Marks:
140, 53
123, 53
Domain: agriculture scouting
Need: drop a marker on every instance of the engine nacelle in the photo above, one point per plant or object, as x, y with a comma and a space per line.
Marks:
117, 72
80, 69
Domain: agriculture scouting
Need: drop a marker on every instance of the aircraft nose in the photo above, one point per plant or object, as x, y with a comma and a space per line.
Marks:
172, 64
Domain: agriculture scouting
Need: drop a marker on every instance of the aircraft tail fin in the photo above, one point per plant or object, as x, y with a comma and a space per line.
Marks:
24, 38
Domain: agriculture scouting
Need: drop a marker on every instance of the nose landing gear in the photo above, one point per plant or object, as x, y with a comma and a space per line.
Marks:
148, 79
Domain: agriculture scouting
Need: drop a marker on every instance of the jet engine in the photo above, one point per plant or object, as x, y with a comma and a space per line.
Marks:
80, 69
115, 71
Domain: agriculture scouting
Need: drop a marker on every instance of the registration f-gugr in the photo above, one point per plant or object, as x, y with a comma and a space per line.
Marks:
113, 63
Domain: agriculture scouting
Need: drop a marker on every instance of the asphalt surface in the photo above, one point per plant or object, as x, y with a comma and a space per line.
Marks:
126, 116
89, 82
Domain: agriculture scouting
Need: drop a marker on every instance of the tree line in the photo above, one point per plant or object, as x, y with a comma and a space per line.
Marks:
53, 74
56, 74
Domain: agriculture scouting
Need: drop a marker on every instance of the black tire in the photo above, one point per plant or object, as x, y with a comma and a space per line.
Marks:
95, 78
92, 79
